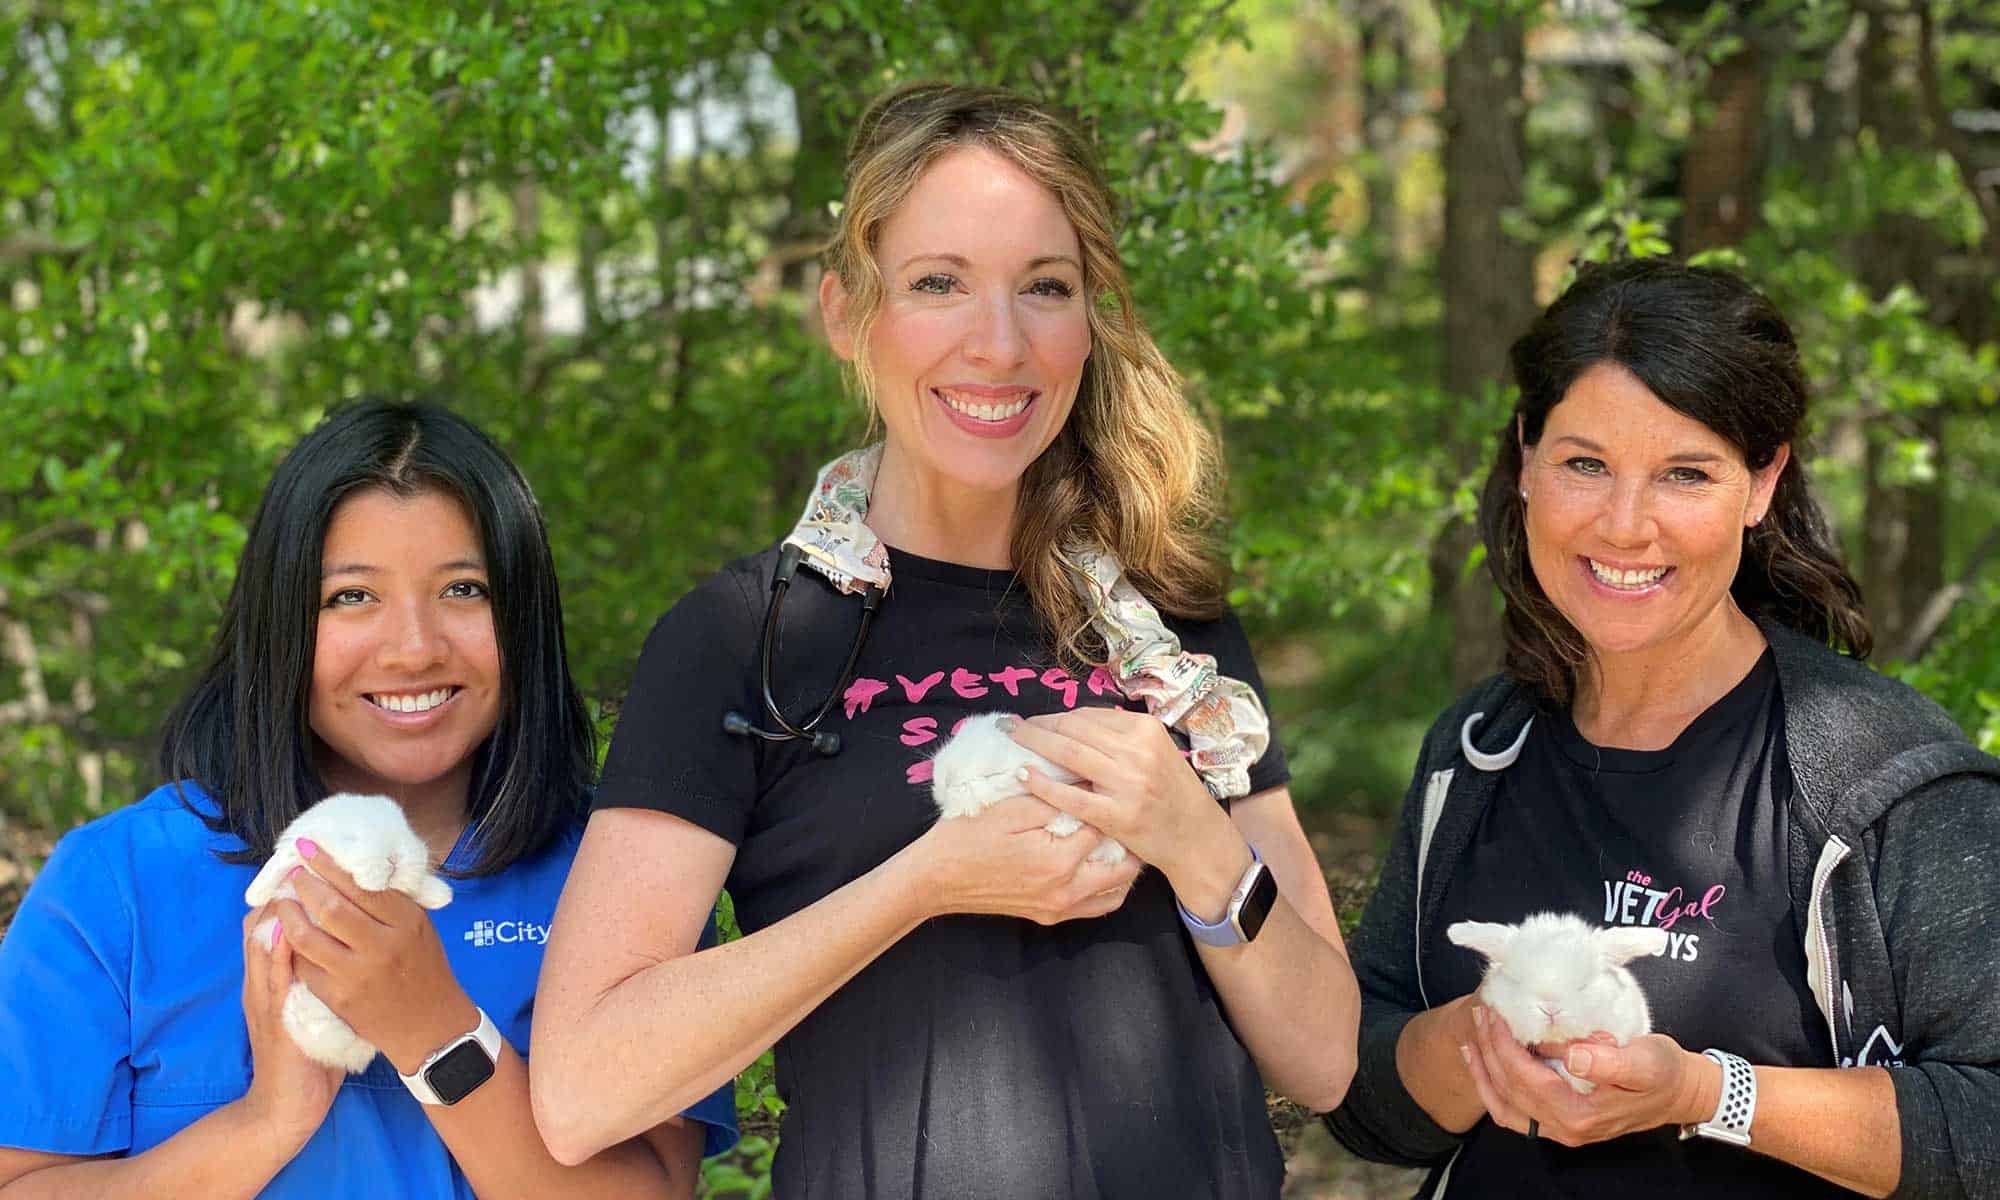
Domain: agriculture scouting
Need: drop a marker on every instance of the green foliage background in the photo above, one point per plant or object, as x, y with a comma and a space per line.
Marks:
218, 219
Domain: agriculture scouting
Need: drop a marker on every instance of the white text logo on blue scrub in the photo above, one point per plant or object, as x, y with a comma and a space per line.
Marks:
506, 933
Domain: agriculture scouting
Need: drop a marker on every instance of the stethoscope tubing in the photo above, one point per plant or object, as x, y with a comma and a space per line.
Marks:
824, 741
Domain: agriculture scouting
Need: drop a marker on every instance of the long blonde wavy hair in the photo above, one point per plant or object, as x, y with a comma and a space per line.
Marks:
1133, 470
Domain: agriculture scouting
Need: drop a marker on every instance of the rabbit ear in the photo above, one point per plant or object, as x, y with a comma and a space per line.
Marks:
1485, 937
265, 885
1624, 943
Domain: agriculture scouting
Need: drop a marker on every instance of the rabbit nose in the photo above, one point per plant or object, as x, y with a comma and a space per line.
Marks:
1550, 1010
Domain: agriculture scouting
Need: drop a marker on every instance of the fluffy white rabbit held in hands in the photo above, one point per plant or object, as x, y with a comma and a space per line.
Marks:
1555, 977
370, 839
979, 767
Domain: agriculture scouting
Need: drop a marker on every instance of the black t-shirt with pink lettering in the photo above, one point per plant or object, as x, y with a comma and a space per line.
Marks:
979, 1056
1691, 839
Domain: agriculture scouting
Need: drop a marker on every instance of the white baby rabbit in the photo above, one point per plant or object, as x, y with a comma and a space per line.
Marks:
1555, 977
976, 769
369, 838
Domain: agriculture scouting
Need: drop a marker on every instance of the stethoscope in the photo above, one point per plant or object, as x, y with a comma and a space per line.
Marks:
824, 741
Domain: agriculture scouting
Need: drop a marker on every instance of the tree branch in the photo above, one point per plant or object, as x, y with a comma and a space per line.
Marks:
19, 643
67, 527
1930, 621
23, 712
586, 345
1944, 133
33, 244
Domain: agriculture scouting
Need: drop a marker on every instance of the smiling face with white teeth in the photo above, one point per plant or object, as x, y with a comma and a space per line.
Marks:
406, 665
983, 333
1635, 515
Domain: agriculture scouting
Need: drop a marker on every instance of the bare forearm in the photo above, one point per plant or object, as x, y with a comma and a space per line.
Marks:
1839, 1124
223, 1155
492, 1136
608, 1066
1290, 993
1292, 999
1433, 1071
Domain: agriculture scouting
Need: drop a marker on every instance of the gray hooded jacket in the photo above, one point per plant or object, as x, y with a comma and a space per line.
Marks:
1895, 842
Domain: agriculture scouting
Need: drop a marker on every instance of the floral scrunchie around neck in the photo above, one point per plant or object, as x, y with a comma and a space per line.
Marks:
1222, 718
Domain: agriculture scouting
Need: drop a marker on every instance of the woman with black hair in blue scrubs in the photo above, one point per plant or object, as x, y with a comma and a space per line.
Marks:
395, 628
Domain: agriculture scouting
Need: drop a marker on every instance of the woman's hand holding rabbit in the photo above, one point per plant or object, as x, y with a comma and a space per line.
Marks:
1005, 861
1140, 789
376, 961
1648, 1082
289, 1093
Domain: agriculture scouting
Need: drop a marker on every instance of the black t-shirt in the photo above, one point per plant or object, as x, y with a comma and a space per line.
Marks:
980, 1056
1691, 839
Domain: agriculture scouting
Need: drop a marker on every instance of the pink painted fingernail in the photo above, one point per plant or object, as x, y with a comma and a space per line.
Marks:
293, 874
277, 927
307, 848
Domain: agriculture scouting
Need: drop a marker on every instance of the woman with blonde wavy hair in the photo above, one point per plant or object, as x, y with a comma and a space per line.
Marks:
976, 1006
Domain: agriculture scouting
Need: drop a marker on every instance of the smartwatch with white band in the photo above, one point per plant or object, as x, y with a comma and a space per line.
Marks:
456, 1070
1735, 1107
1249, 904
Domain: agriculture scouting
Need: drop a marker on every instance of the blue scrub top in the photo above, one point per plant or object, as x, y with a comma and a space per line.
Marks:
121, 1011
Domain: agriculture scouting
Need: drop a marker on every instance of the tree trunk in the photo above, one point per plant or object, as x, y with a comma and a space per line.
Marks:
1722, 175
527, 236
815, 181
1385, 71
1487, 279
1902, 562
589, 253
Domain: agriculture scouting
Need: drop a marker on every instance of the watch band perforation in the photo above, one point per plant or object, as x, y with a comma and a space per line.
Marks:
1735, 1108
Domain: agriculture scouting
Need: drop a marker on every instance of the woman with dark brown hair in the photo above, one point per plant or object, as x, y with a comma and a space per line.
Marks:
1685, 741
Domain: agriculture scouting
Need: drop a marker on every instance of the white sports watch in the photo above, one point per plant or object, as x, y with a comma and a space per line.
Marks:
1735, 1107
455, 1070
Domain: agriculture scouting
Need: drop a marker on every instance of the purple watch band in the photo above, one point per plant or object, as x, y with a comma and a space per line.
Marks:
1227, 931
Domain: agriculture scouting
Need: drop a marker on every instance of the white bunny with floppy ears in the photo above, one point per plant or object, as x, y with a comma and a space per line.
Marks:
1556, 977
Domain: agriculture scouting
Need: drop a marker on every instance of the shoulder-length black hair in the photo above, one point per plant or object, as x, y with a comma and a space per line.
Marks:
1712, 347
242, 731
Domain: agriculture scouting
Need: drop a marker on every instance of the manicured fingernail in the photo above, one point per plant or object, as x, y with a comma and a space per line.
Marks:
1465, 1053
1479, 1017
1021, 773
277, 927
1579, 1060
1006, 724
307, 848
293, 874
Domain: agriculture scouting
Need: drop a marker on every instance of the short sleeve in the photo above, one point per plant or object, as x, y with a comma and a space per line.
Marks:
717, 1113
668, 752
1225, 640
65, 1024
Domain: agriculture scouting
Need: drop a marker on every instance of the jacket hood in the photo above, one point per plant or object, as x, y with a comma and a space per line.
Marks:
1859, 741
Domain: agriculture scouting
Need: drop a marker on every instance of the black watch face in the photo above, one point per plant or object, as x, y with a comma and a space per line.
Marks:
462, 1069
1257, 905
